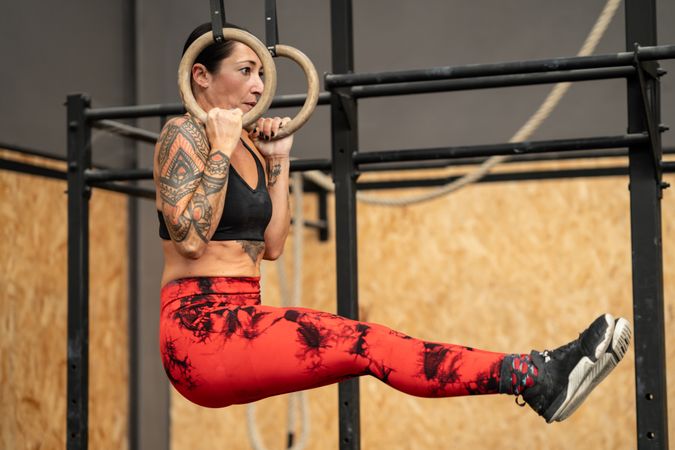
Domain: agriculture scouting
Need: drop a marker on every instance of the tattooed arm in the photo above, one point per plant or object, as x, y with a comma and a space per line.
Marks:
278, 168
277, 159
192, 176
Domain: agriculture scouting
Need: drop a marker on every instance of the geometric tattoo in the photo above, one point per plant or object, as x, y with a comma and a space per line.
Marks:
181, 179
218, 163
200, 211
216, 172
179, 231
189, 172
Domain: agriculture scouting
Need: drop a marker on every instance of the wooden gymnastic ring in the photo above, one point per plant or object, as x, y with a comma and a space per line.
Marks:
312, 89
203, 41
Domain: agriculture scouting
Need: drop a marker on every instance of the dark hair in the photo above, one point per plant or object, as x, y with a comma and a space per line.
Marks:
212, 55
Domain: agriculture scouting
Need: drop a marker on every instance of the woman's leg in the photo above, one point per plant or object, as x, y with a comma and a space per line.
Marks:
218, 353
226, 348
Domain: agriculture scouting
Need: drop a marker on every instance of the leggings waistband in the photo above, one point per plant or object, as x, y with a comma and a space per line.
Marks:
186, 287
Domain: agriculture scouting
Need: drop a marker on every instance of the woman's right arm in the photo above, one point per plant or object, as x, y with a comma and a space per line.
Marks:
192, 176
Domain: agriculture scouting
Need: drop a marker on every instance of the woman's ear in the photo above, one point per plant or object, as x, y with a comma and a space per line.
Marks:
200, 75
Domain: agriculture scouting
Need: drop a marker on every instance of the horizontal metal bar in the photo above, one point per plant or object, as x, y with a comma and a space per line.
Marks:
511, 148
514, 159
30, 169
668, 166
174, 109
30, 151
97, 176
131, 112
134, 191
289, 100
497, 177
302, 165
61, 175
498, 81
318, 224
125, 130
506, 68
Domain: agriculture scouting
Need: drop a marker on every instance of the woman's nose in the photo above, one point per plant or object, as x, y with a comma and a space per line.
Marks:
258, 85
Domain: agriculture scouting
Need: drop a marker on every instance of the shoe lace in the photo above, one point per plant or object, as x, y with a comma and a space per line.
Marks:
519, 403
560, 352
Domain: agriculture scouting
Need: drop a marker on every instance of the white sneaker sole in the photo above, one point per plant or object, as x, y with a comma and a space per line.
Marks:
588, 374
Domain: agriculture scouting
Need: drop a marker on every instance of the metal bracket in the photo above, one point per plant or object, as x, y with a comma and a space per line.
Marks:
345, 103
217, 20
644, 69
271, 28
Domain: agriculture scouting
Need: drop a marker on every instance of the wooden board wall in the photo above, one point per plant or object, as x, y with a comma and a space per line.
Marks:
505, 267
33, 314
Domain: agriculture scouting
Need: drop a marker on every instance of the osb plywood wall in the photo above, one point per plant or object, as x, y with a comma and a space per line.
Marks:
506, 267
33, 314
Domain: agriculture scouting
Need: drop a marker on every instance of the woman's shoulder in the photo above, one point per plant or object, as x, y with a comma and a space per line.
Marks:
185, 126
185, 121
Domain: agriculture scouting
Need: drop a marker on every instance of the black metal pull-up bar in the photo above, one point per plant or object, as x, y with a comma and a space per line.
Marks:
648, 53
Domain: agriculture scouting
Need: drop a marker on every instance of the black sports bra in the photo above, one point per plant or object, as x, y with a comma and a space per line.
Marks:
246, 212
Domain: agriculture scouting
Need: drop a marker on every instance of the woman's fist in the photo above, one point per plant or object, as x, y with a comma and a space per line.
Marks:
223, 128
265, 129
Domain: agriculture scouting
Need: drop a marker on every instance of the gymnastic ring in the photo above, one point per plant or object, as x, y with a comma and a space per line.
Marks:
312, 89
203, 41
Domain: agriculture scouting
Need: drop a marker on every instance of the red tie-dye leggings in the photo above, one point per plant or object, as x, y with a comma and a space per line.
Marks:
220, 347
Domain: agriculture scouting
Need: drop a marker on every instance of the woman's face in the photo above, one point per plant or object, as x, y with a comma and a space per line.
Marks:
238, 81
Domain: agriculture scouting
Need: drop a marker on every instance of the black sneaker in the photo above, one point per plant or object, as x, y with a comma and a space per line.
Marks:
569, 373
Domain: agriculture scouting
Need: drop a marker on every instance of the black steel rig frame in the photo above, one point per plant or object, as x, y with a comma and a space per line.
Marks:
642, 142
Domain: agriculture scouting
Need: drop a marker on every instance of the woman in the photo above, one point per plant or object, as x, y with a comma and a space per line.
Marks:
222, 211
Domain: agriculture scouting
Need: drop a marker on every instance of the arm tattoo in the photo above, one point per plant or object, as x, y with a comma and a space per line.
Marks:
189, 172
197, 136
180, 230
216, 172
218, 163
181, 178
273, 172
166, 140
253, 248
201, 214
213, 185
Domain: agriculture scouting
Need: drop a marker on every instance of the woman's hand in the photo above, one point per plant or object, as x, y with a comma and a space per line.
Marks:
223, 128
267, 128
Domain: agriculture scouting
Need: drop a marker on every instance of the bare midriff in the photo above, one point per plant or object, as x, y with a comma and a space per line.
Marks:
220, 259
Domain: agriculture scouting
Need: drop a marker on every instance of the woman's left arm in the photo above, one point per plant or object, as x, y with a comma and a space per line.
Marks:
277, 159
278, 168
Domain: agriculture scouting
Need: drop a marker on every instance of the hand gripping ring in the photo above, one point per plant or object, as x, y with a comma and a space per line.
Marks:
312, 89
185, 73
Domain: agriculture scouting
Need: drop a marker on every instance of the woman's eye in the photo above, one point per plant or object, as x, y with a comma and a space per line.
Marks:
245, 70
261, 75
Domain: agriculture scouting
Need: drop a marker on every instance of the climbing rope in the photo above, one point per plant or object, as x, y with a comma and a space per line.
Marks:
544, 111
296, 400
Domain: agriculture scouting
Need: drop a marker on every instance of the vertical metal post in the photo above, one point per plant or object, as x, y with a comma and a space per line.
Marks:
322, 200
645, 200
79, 159
132, 240
345, 141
